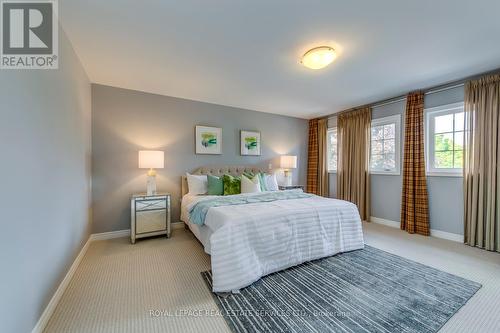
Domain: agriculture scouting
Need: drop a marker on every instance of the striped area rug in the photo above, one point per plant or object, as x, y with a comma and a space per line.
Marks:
367, 290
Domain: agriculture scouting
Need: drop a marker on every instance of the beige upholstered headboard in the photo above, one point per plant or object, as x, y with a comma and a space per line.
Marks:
219, 171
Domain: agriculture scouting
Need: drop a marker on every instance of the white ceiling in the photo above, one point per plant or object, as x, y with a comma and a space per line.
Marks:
245, 53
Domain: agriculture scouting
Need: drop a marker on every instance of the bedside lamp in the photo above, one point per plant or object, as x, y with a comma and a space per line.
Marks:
288, 162
151, 159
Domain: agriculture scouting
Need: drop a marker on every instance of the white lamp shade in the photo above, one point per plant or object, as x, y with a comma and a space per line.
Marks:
288, 162
151, 159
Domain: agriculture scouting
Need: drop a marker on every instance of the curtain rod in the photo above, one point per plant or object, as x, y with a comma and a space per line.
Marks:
403, 97
427, 91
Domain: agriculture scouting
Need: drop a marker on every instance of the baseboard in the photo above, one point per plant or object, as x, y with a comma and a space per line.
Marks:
110, 235
434, 232
49, 310
447, 235
388, 223
177, 225
125, 232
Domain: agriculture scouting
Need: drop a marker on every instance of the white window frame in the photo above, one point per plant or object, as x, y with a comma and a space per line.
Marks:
331, 129
395, 119
430, 114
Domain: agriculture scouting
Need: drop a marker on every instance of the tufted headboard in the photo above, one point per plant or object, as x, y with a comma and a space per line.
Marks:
219, 171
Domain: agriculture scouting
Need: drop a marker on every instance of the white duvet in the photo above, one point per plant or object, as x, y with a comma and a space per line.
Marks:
252, 240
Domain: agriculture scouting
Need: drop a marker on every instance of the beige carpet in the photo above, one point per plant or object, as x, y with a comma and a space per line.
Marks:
118, 285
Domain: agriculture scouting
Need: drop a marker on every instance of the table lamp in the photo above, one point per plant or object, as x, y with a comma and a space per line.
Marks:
288, 162
151, 159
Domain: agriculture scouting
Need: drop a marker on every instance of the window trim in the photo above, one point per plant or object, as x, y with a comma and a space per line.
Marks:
397, 136
331, 129
429, 147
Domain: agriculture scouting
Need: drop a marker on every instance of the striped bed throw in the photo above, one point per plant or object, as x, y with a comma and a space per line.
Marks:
198, 211
267, 233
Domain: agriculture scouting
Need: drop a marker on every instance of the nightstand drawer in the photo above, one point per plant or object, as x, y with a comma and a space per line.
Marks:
141, 205
151, 221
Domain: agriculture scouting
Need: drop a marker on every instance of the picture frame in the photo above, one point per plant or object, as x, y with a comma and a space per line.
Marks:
250, 143
208, 140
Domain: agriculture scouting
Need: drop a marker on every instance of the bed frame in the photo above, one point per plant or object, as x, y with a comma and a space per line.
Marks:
219, 171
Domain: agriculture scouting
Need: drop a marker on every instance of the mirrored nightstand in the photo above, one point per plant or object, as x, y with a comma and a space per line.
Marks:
150, 215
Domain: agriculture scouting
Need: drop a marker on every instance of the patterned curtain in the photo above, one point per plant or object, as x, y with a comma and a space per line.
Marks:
353, 176
323, 178
312, 158
317, 173
482, 163
414, 202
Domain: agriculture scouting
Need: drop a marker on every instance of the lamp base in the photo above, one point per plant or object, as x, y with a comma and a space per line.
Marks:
151, 185
288, 178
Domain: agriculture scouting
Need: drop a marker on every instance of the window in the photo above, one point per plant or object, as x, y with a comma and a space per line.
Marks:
385, 145
331, 149
445, 140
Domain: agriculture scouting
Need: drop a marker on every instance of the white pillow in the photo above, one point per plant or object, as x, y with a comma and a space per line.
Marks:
250, 185
197, 184
271, 182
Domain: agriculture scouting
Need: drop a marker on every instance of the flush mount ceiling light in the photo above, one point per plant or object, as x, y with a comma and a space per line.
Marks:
318, 57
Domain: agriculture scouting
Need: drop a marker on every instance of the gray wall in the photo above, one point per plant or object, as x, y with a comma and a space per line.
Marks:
445, 193
126, 121
45, 177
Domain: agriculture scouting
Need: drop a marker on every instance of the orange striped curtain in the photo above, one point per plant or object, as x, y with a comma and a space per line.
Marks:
414, 203
317, 173
312, 158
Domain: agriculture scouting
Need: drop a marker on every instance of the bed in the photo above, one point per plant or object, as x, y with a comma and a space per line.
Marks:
248, 241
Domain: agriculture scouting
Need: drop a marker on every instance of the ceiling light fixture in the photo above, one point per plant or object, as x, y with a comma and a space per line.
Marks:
318, 57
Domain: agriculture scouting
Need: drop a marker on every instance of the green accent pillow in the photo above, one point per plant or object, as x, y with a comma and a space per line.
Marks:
262, 179
249, 175
215, 185
232, 185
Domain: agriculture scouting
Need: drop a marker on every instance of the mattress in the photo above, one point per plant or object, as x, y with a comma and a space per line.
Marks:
201, 232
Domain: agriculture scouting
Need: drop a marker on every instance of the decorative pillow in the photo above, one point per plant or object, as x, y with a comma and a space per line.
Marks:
215, 185
250, 185
197, 184
271, 182
248, 174
232, 185
262, 181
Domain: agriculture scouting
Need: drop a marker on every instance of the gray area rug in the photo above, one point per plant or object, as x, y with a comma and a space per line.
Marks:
366, 290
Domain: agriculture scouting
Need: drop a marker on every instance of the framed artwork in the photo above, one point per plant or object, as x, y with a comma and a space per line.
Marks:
208, 140
250, 143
